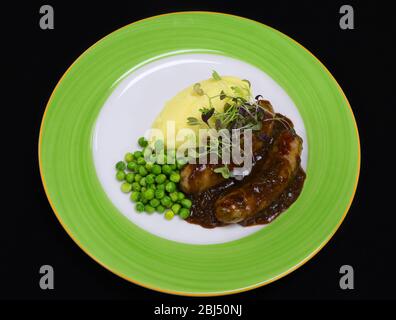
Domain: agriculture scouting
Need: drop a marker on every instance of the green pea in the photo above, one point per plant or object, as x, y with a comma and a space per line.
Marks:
142, 142
130, 177
170, 187
139, 207
148, 194
175, 208
148, 208
135, 196
156, 169
173, 196
132, 166
138, 177
143, 200
166, 202
160, 178
136, 186
137, 154
166, 168
159, 194
149, 166
180, 196
143, 189
175, 177
141, 161
120, 175
128, 157
160, 209
151, 186
160, 187
169, 215
150, 178
126, 187
186, 203
143, 171
154, 202
184, 213
173, 166
120, 165
143, 182
180, 163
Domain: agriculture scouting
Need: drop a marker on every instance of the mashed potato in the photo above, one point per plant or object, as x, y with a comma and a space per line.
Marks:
187, 104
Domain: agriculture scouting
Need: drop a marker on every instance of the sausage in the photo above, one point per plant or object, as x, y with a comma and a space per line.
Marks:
196, 178
265, 184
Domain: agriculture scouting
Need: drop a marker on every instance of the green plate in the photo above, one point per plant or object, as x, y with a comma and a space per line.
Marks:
90, 218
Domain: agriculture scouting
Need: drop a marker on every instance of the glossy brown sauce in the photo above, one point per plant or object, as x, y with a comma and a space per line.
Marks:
203, 207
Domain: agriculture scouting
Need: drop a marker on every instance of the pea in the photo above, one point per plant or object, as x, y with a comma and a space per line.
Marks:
132, 166
128, 157
159, 194
143, 182
160, 209
120, 175
166, 202
139, 207
169, 215
180, 196
143, 200
156, 169
141, 161
184, 213
142, 142
137, 154
136, 186
180, 163
160, 187
186, 203
143, 171
173, 166
148, 194
138, 177
130, 177
150, 178
148, 208
166, 168
126, 187
160, 178
143, 189
173, 196
175, 208
175, 177
151, 186
135, 196
154, 202
149, 166
120, 165
170, 187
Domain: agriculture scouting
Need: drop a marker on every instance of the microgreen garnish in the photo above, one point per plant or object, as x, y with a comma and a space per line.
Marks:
192, 121
224, 171
248, 82
206, 114
215, 75
197, 89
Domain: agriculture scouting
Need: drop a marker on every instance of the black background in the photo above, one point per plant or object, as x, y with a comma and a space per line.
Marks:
360, 60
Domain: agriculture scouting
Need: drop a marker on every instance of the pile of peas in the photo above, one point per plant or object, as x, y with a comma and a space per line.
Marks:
153, 184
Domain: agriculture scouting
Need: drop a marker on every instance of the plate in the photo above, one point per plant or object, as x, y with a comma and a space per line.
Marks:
112, 93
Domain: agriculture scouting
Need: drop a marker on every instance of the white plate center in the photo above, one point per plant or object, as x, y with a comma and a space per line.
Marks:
131, 109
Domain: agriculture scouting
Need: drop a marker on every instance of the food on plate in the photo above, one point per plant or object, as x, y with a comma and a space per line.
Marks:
216, 156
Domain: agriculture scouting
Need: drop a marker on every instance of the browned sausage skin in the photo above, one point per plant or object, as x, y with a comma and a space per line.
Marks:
196, 178
266, 184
